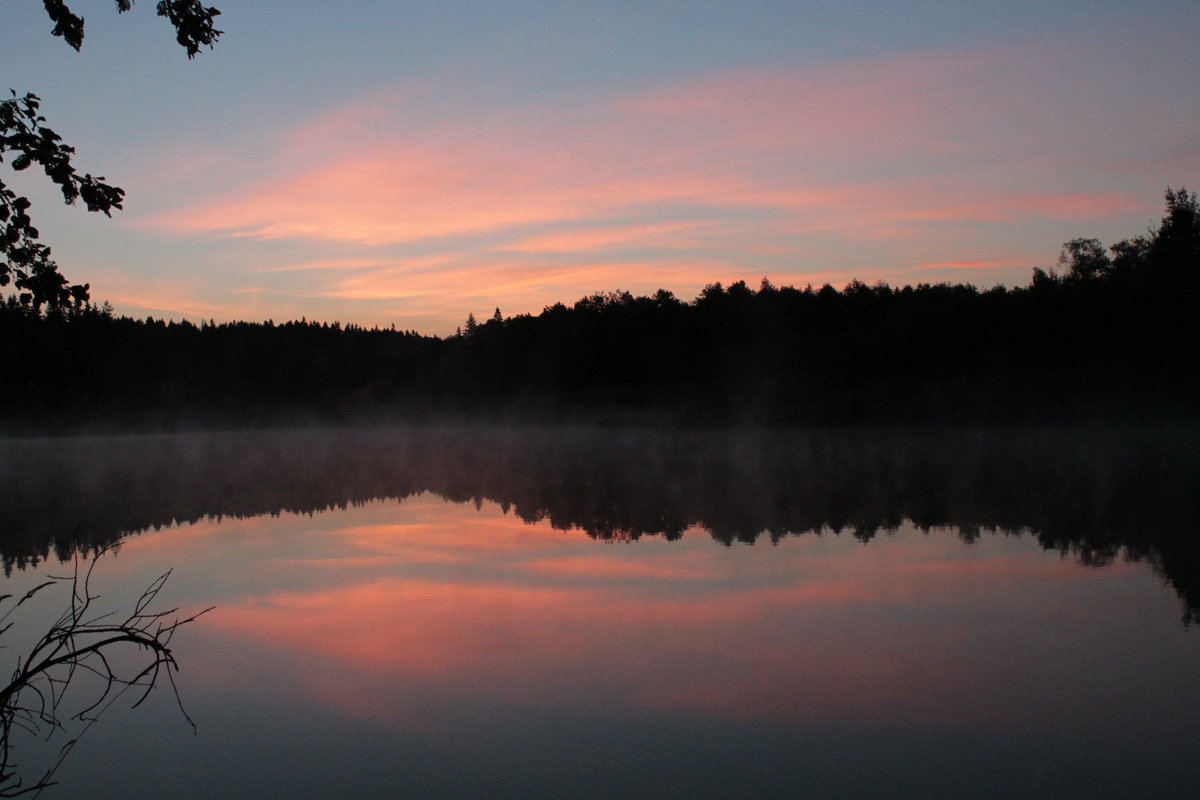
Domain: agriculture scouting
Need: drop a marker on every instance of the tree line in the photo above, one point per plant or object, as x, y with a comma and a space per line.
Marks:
1106, 332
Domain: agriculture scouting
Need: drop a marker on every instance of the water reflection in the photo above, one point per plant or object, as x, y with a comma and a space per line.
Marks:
516, 613
432, 649
1102, 495
453, 604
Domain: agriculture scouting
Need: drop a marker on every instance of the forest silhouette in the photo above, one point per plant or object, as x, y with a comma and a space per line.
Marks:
1106, 333
1098, 493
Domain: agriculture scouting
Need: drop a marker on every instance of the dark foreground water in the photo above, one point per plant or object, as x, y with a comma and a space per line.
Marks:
518, 613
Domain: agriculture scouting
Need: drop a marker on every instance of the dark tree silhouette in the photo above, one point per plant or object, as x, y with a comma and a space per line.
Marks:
24, 260
1177, 241
193, 22
1084, 259
1104, 335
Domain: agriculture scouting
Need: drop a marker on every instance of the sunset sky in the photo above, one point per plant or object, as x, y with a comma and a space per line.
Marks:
379, 162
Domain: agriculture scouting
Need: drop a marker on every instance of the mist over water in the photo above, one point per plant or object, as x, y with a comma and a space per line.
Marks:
521, 611
1098, 493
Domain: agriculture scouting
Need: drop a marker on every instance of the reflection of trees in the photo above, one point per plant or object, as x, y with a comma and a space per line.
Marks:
1100, 494
79, 646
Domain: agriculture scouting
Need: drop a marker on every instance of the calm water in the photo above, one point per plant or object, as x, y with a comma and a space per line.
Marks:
591, 614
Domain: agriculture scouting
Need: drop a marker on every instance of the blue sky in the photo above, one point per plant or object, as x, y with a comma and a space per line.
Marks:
381, 163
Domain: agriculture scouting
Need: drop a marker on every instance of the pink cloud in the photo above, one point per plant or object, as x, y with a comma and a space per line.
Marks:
716, 143
407, 196
839, 110
969, 264
159, 295
671, 235
523, 278
1009, 206
327, 263
847, 169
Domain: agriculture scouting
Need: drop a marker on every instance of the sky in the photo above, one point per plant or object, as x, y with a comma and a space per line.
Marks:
382, 163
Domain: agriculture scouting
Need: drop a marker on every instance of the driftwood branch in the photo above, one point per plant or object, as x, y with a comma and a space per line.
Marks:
80, 640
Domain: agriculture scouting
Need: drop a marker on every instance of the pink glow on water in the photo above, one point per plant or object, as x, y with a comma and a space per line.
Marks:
444, 602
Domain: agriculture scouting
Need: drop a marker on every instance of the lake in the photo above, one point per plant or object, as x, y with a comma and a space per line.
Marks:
596, 612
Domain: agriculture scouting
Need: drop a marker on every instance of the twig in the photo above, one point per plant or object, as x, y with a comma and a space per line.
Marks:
80, 640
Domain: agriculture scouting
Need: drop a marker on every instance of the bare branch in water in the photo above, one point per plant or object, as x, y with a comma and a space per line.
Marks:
80, 639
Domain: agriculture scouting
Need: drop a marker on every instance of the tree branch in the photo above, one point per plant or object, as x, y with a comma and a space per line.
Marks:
77, 640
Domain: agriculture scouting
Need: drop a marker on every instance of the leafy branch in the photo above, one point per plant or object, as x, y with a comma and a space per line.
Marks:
23, 258
192, 20
24, 261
